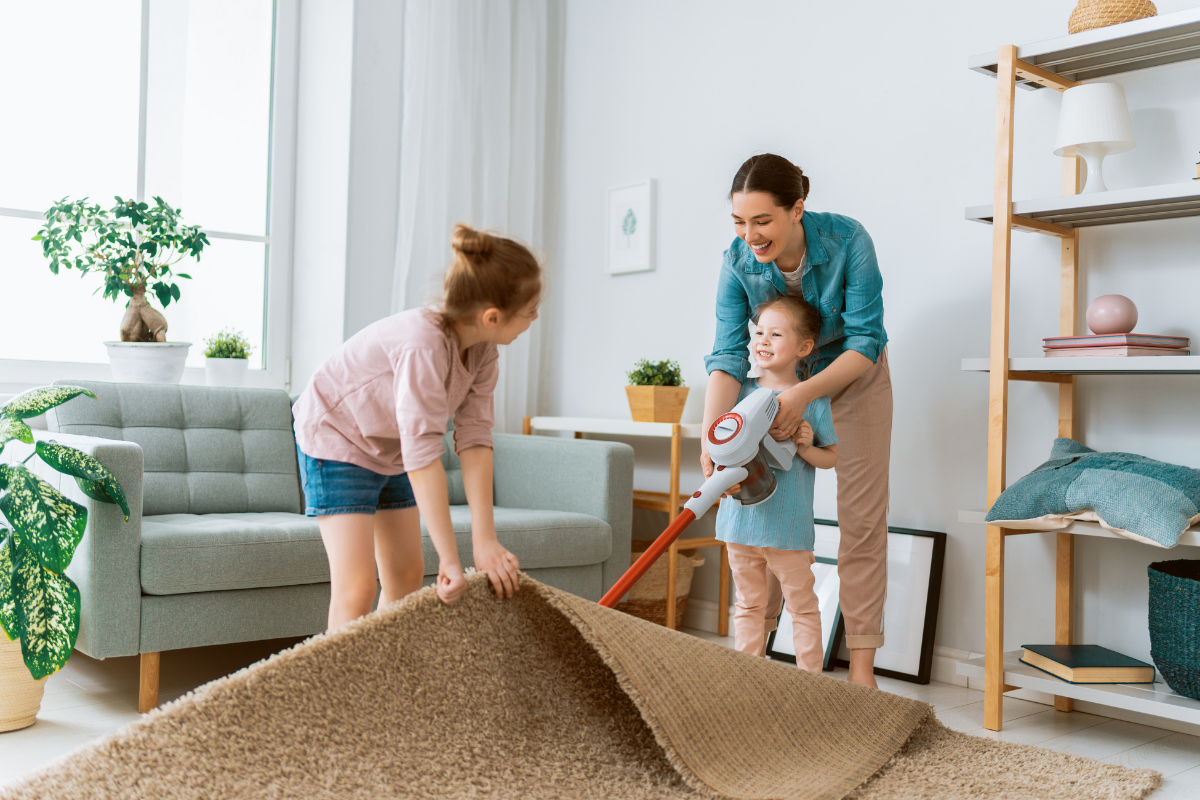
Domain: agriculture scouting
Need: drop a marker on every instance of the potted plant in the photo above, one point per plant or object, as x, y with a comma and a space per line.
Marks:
133, 246
39, 531
226, 358
656, 392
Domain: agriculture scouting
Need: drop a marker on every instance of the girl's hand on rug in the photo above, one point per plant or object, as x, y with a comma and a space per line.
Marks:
451, 585
500, 565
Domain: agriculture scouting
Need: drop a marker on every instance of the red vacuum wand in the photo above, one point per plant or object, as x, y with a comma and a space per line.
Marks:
741, 446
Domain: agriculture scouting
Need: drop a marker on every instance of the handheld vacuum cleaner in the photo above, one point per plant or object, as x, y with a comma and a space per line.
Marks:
743, 452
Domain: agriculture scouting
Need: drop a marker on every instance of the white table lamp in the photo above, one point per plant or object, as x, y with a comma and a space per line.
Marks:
1093, 122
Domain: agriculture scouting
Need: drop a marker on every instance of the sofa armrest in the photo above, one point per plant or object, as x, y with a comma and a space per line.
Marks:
580, 475
107, 564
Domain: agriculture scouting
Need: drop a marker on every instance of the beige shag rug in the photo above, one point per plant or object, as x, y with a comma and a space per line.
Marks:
548, 696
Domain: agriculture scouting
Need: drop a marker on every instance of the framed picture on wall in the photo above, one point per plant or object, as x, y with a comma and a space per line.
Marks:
914, 587
780, 644
629, 231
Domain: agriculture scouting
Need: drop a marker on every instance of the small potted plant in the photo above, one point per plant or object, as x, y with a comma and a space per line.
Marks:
39, 531
133, 246
656, 392
226, 358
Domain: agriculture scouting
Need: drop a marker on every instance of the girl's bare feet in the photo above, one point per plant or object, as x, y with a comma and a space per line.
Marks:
862, 668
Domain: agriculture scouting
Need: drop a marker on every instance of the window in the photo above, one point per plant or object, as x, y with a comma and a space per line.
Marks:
139, 98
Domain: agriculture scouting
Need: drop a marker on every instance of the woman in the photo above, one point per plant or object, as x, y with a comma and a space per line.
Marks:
829, 260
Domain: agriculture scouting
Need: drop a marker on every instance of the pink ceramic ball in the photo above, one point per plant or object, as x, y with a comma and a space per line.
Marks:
1112, 313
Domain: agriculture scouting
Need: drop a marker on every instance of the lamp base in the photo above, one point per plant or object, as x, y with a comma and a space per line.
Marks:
1093, 155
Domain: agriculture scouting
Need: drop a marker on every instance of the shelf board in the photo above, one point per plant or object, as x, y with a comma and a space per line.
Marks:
1105, 208
1155, 699
1086, 365
1130, 46
615, 427
1190, 537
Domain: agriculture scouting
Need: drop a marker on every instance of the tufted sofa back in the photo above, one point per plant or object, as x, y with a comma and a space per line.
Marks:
206, 450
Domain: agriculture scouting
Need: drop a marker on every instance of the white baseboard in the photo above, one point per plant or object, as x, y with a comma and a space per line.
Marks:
703, 616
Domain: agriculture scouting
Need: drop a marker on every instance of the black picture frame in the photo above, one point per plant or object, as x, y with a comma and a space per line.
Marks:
831, 644
932, 598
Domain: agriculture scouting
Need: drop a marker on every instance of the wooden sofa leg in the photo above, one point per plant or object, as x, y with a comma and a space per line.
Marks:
148, 684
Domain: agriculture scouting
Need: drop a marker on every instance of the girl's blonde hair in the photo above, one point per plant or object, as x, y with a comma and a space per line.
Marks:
488, 271
806, 321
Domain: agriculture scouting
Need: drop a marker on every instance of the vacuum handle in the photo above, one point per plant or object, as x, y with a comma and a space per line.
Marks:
700, 502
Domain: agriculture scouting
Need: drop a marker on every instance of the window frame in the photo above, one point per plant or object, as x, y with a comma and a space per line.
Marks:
17, 375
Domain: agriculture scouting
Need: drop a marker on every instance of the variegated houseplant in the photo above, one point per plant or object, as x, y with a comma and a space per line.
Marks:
39, 531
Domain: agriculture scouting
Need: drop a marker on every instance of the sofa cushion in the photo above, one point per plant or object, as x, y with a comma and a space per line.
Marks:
184, 553
205, 449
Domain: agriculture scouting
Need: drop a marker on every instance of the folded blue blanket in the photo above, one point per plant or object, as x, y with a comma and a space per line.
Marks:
1133, 495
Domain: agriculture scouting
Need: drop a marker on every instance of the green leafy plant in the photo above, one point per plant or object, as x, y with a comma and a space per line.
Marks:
39, 533
660, 373
227, 344
629, 225
133, 245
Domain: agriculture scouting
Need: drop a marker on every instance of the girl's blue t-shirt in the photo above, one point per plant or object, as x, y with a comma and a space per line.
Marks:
785, 521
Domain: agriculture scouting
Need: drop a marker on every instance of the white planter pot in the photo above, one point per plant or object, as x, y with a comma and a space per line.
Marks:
225, 371
147, 362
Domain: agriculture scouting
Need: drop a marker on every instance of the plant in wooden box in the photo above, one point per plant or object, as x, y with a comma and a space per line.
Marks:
226, 358
39, 605
656, 392
133, 246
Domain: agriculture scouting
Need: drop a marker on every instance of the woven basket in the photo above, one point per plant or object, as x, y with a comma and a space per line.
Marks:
1091, 14
20, 694
1175, 623
648, 597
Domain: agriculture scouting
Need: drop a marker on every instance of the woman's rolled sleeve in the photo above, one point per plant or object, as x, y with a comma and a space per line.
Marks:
421, 406
733, 334
475, 418
862, 316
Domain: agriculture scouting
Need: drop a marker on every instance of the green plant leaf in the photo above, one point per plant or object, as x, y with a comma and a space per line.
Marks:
106, 491
13, 428
8, 601
38, 401
49, 524
48, 615
183, 275
71, 461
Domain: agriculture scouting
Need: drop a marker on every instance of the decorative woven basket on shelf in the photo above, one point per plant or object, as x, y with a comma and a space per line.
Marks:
20, 694
648, 597
1091, 14
1175, 623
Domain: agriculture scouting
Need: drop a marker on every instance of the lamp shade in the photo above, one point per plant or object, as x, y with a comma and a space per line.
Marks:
1094, 113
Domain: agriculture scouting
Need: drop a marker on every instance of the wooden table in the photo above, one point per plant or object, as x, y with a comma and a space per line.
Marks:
670, 501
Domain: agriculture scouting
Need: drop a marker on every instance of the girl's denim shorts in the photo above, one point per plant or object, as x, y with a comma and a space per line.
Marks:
335, 487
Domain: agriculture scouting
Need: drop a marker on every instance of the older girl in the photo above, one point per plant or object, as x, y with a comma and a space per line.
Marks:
369, 430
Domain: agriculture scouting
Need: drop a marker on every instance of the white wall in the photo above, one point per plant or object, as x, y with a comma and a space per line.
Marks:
875, 102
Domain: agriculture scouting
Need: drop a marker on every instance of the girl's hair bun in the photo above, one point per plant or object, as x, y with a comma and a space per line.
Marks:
470, 242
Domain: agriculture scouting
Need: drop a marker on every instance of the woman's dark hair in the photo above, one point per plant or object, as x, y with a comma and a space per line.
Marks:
773, 174
805, 318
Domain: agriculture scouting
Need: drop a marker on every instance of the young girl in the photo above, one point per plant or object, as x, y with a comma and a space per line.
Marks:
369, 430
776, 536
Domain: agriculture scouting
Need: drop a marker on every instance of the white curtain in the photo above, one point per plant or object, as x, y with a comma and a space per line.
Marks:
477, 145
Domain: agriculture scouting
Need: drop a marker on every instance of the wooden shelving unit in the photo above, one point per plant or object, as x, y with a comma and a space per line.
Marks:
1058, 65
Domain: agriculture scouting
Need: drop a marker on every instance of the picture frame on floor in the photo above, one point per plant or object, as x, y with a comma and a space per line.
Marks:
914, 588
780, 645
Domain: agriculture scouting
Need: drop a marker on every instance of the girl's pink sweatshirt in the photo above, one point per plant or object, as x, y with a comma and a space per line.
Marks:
382, 401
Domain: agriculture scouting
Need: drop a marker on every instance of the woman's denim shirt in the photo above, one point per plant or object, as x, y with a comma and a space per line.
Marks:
841, 279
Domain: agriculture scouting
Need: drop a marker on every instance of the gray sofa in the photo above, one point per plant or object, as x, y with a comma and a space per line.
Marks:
217, 549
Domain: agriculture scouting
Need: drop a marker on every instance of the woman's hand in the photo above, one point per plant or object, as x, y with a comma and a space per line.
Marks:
451, 585
790, 416
500, 565
804, 438
706, 464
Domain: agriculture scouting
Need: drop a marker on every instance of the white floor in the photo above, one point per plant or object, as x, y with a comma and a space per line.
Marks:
91, 698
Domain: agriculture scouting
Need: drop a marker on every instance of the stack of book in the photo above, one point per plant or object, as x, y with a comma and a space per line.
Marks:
1115, 344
